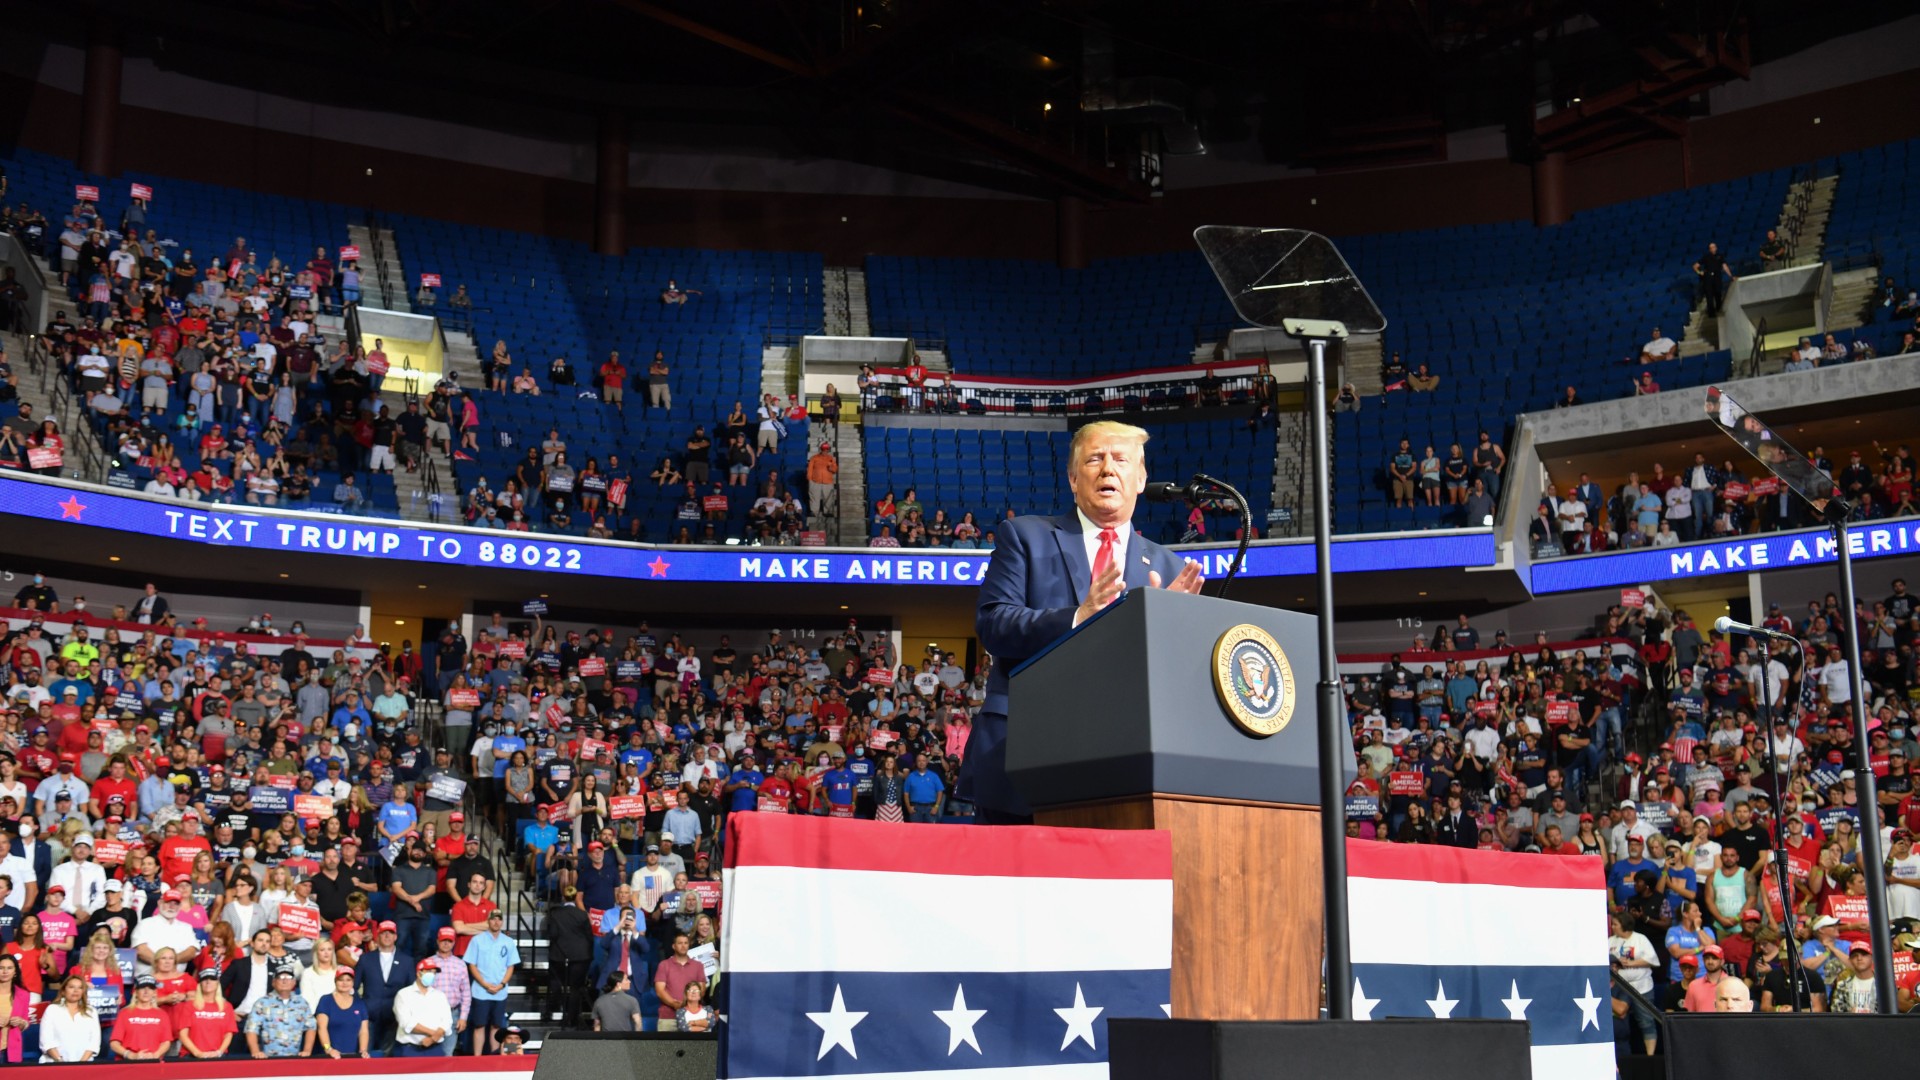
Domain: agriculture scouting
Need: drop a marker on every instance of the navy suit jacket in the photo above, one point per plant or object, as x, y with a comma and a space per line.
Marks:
378, 991
1038, 576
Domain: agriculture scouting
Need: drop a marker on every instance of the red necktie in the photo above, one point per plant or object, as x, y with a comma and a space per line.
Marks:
1104, 557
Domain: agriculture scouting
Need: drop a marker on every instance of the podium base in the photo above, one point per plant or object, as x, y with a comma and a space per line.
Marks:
1248, 923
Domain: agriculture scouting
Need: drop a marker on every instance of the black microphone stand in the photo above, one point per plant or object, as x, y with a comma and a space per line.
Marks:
1246, 524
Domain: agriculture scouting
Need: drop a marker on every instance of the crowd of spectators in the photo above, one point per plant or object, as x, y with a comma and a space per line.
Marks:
614, 766
1705, 501
1695, 766
215, 381
232, 844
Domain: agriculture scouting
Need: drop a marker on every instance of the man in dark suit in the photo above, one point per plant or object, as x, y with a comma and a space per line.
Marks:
382, 972
1049, 575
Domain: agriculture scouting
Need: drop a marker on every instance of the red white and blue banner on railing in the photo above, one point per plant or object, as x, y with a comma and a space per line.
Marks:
1740, 555
857, 948
296, 533
1445, 933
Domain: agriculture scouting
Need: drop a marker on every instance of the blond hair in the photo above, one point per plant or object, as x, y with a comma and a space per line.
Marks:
1105, 429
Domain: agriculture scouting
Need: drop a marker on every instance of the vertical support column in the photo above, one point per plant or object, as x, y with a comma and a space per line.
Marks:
1550, 190
610, 185
1069, 232
99, 102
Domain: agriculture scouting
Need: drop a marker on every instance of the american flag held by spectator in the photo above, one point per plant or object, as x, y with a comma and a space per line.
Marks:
1005, 950
1485, 934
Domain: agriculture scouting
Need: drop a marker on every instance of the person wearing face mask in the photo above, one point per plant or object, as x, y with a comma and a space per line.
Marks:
422, 1016
38, 596
863, 769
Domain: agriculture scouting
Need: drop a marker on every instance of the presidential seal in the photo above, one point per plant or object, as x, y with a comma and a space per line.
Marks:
1254, 680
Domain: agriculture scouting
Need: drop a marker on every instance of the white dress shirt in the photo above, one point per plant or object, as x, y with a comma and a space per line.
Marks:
417, 1005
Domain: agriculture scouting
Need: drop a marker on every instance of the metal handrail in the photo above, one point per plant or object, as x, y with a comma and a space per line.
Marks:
1759, 348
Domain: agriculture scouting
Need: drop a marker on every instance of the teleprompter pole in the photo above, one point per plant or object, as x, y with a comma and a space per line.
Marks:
1336, 742
1872, 859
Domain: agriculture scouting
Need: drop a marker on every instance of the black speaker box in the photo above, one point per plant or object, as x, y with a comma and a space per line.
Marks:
643, 1055
1786, 1044
1322, 1049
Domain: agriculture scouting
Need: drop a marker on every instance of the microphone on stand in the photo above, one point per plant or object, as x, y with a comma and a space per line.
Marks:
1164, 491
1729, 626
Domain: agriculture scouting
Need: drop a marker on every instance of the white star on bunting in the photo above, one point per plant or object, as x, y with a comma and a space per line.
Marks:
1079, 1020
1516, 1005
1362, 1004
1589, 1009
960, 1021
836, 1026
1442, 1006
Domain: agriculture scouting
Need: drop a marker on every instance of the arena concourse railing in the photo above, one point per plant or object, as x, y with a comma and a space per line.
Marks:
1220, 384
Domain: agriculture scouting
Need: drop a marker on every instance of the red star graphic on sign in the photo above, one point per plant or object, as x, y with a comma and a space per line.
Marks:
71, 508
658, 566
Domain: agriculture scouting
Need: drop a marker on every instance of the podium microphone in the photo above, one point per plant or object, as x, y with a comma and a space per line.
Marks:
1166, 492
1728, 626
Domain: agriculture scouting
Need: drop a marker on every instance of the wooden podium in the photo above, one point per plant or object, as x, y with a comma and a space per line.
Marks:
1120, 725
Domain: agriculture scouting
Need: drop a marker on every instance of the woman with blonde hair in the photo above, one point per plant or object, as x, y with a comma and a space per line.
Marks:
174, 983
70, 1029
207, 1020
100, 966
316, 981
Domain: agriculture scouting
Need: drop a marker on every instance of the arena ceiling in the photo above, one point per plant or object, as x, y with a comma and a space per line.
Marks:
961, 89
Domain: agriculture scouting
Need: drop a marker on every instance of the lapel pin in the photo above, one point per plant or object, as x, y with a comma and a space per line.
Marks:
1146, 560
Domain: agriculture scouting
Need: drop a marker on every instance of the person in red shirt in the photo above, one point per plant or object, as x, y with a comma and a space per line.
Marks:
143, 1031
470, 915
115, 782
178, 852
454, 844
613, 381
777, 788
205, 1021
37, 760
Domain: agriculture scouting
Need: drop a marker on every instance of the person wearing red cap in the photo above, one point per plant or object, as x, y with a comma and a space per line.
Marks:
164, 929
1856, 991
383, 971
1700, 992
423, 1020
454, 981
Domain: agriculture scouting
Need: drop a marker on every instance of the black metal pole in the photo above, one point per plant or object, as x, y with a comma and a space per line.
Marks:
1336, 742
1867, 791
1796, 976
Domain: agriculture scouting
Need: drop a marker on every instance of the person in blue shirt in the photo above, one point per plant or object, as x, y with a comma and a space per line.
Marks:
505, 745
1461, 687
1620, 874
861, 766
743, 787
491, 958
396, 817
838, 785
1686, 938
539, 841
925, 792
1689, 701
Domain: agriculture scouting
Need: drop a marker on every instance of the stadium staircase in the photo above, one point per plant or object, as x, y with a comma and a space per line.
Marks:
849, 524
383, 283
844, 292
1291, 468
1802, 226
